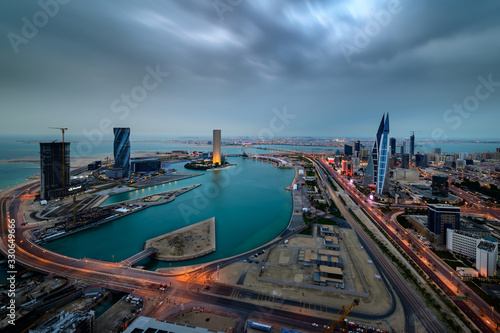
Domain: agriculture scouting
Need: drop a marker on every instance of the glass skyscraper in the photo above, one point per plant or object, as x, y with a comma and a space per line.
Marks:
121, 149
378, 162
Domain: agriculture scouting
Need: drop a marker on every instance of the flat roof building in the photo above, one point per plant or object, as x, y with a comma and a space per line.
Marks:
329, 258
487, 256
329, 276
331, 242
441, 217
462, 242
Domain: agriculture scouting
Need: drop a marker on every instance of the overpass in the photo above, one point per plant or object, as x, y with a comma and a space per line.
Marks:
139, 256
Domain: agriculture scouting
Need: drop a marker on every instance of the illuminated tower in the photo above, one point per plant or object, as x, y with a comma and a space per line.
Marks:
383, 159
121, 149
216, 142
377, 170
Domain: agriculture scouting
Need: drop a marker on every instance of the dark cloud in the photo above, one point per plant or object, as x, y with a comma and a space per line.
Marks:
231, 70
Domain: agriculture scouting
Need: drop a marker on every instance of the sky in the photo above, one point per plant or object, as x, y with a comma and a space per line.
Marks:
255, 68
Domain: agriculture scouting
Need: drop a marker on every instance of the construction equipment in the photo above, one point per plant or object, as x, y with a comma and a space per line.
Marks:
63, 158
331, 325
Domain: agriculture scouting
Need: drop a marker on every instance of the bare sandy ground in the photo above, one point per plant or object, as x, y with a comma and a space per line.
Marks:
186, 243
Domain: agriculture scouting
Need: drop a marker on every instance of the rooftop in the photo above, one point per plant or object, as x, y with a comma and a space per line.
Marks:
487, 246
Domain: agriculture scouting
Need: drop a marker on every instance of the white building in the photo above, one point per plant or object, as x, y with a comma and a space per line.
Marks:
461, 242
487, 256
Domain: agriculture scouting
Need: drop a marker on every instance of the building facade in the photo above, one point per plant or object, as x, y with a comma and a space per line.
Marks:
440, 185
487, 256
441, 217
347, 150
462, 243
392, 144
121, 149
145, 164
54, 169
421, 161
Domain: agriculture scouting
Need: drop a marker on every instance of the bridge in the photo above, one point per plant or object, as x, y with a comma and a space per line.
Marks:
139, 256
271, 158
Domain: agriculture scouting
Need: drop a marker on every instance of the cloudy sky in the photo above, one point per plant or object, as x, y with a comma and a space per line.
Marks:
251, 67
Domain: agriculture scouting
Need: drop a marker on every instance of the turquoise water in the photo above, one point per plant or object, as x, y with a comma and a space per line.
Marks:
15, 174
249, 202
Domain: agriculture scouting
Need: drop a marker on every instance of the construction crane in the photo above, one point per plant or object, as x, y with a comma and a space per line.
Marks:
331, 325
63, 158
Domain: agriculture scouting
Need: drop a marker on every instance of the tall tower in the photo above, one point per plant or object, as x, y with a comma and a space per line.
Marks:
412, 144
383, 160
121, 149
392, 144
216, 142
378, 160
53, 174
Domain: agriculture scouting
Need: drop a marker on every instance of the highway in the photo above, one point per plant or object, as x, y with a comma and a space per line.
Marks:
447, 286
406, 293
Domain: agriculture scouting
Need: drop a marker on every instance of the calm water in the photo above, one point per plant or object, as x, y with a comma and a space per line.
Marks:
249, 202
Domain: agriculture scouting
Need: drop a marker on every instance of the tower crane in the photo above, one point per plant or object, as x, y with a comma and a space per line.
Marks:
63, 158
331, 325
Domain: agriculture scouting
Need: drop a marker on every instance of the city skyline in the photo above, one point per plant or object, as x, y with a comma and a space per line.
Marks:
255, 69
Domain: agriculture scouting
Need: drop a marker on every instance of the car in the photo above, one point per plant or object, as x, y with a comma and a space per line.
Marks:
315, 325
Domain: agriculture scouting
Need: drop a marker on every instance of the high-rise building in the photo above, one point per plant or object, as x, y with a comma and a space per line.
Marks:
121, 149
412, 145
54, 169
357, 146
440, 185
405, 148
421, 161
487, 256
217, 154
377, 170
442, 217
436, 150
392, 144
405, 161
347, 150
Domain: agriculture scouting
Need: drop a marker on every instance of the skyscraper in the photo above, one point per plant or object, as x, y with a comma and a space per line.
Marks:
405, 148
121, 149
377, 169
405, 161
357, 146
392, 144
421, 160
347, 150
216, 142
412, 145
54, 169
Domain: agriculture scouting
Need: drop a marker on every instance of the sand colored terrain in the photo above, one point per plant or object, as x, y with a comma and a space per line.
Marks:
186, 243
